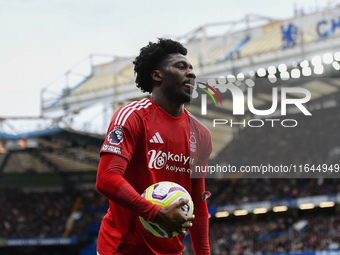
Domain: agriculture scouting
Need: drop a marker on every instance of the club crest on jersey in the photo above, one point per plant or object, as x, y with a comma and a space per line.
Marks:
115, 136
192, 142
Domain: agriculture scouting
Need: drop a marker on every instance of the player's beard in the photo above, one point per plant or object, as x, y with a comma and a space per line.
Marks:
179, 95
181, 98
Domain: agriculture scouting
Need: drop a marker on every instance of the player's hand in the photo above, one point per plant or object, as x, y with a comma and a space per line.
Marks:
171, 218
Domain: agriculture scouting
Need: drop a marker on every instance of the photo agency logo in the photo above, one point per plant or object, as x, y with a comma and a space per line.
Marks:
238, 98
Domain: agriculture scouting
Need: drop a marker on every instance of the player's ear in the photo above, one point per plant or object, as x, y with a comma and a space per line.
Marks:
156, 75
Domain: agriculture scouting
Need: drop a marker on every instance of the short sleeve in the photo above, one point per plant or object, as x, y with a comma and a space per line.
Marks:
121, 138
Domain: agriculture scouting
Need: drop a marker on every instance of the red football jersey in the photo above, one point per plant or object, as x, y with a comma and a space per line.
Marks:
158, 147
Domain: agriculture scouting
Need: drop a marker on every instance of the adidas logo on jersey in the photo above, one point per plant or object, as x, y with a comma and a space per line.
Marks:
156, 138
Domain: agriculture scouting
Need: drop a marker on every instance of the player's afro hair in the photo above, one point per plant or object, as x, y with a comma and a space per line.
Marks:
149, 59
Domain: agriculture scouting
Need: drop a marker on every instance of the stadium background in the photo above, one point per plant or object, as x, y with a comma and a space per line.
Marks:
49, 202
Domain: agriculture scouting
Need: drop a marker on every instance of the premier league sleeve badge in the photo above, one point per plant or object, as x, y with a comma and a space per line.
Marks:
115, 136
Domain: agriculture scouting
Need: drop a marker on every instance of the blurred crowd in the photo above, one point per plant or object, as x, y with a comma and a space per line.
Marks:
240, 191
48, 214
286, 234
78, 213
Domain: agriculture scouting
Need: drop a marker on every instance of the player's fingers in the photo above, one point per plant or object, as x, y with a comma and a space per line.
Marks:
187, 225
180, 203
181, 231
190, 218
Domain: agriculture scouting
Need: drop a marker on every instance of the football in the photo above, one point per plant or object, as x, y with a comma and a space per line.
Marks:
163, 194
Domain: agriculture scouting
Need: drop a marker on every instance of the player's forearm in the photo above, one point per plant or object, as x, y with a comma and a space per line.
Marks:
199, 233
111, 184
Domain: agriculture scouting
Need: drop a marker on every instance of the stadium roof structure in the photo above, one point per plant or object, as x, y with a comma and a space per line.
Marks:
61, 155
242, 51
302, 51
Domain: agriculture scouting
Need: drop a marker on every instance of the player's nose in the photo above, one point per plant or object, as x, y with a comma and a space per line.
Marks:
191, 74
